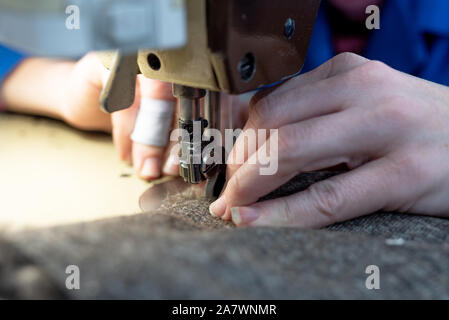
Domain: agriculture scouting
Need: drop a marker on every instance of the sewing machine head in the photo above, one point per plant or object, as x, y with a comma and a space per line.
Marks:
203, 47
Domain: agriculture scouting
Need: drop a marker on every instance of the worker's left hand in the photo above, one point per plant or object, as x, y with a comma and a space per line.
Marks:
79, 107
389, 128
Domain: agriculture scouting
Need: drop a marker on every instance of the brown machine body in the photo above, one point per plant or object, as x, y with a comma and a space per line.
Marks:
235, 46
226, 36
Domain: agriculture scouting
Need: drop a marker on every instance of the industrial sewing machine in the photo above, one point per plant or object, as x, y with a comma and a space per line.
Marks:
203, 47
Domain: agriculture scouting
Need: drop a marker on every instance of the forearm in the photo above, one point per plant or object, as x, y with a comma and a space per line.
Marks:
35, 87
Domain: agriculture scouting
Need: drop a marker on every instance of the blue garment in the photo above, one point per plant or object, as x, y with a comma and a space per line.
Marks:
401, 42
8, 60
413, 38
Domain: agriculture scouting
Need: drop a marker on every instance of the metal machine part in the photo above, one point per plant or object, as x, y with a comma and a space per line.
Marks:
192, 129
235, 46
202, 46
119, 90
70, 28
214, 172
231, 46
195, 164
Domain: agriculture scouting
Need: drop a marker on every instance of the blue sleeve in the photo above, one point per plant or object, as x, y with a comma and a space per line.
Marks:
8, 60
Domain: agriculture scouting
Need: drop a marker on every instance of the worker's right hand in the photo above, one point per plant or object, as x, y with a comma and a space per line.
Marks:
389, 128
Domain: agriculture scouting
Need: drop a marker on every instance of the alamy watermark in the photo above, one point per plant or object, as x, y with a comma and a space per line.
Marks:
372, 282
72, 21
72, 282
260, 145
372, 22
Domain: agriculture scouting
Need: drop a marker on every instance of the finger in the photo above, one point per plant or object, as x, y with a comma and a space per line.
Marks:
171, 162
122, 121
342, 138
148, 150
122, 127
252, 179
341, 63
171, 157
155, 89
147, 160
359, 192
82, 110
298, 103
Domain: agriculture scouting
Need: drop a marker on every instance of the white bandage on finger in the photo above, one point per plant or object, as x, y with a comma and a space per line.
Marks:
153, 122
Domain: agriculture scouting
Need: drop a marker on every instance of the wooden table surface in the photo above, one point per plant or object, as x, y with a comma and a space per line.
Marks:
51, 174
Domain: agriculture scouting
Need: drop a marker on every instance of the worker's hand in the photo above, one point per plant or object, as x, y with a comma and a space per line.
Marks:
70, 91
389, 128
79, 107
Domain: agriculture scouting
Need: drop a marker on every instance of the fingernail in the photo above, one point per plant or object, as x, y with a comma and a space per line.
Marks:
150, 168
171, 166
218, 208
244, 215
